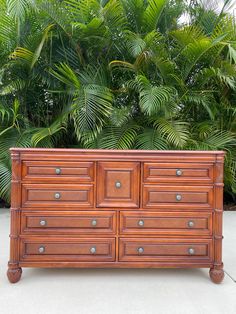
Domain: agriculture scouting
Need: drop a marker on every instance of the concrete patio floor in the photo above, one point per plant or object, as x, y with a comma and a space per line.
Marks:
143, 291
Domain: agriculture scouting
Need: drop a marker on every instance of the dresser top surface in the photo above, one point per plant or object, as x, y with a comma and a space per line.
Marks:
114, 151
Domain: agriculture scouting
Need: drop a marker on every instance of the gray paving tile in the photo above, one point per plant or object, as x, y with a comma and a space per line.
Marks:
88, 291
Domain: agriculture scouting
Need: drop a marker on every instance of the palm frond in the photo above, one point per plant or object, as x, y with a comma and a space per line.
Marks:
114, 18
118, 137
133, 10
18, 8
153, 13
48, 133
66, 75
5, 180
176, 132
90, 109
151, 138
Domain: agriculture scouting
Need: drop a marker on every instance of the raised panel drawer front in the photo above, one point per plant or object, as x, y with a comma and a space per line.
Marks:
167, 223
44, 249
118, 184
57, 195
72, 222
176, 197
177, 172
165, 250
58, 171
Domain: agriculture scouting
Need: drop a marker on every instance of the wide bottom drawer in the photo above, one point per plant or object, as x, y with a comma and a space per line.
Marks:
152, 250
67, 249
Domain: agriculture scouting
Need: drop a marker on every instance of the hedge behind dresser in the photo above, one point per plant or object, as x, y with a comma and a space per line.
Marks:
116, 209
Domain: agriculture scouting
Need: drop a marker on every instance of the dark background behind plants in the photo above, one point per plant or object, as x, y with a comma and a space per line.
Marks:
117, 74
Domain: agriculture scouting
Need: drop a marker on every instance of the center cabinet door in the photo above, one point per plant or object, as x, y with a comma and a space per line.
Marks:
118, 184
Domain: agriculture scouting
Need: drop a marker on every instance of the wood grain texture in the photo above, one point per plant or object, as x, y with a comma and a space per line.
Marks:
116, 209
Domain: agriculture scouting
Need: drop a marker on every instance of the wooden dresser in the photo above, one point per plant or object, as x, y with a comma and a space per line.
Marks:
116, 209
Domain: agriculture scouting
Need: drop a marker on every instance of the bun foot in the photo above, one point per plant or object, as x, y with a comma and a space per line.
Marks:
14, 274
216, 275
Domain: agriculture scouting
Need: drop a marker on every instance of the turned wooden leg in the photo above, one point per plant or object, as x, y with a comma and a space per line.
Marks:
216, 275
14, 274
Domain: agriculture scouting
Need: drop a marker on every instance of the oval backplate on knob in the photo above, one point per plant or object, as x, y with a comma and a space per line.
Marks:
41, 249
141, 223
58, 171
42, 222
178, 197
57, 196
93, 250
191, 224
179, 172
191, 251
118, 184
94, 222
140, 250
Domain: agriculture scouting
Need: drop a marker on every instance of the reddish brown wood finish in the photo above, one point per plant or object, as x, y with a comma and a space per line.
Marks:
61, 171
166, 223
188, 173
68, 222
96, 223
164, 249
127, 175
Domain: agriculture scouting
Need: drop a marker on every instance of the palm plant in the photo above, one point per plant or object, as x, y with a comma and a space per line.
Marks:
117, 74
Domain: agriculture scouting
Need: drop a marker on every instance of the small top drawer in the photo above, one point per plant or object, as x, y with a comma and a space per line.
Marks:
58, 171
177, 172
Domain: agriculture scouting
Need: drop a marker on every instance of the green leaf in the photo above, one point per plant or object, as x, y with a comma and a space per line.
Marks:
91, 108
153, 13
176, 132
118, 137
151, 139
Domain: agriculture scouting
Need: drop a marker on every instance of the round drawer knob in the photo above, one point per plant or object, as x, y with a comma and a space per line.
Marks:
118, 184
93, 250
94, 222
191, 224
42, 222
58, 170
57, 196
41, 249
179, 172
140, 250
178, 197
141, 223
191, 251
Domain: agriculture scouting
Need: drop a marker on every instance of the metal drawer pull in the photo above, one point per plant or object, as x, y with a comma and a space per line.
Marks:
178, 197
179, 172
94, 222
141, 223
58, 170
191, 251
57, 196
191, 224
140, 250
118, 184
93, 250
41, 249
42, 222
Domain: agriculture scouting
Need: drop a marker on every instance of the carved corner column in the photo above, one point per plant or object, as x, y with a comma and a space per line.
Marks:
217, 272
14, 271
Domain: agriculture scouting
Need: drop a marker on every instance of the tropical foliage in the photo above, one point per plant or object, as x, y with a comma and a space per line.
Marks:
117, 74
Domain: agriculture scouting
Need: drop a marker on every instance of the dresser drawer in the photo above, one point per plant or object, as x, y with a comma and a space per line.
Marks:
58, 171
166, 223
57, 195
44, 249
118, 184
177, 172
160, 196
68, 222
165, 250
